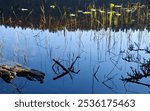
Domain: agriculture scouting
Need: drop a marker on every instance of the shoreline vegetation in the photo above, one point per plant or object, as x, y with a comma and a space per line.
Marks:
116, 16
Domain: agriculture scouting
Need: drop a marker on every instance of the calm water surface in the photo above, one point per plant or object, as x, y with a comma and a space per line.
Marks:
104, 49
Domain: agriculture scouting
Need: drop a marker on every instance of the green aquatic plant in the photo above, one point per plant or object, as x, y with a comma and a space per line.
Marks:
111, 13
127, 12
89, 17
94, 13
102, 14
116, 19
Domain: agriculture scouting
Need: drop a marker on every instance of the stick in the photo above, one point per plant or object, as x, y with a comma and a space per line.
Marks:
70, 68
96, 73
61, 65
66, 70
144, 84
61, 75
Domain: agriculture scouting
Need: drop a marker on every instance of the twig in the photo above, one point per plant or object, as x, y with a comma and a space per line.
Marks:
96, 73
61, 65
71, 67
54, 69
61, 75
109, 79
144, 84
136, 75
66, 70
18, 90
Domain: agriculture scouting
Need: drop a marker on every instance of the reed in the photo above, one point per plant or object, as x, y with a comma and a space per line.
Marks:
115, 15
43, 16
92, 17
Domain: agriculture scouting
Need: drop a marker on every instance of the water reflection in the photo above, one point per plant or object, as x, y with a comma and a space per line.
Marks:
101, 65
135, 55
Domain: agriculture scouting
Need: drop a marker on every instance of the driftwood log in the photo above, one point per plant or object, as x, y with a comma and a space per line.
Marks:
8, 73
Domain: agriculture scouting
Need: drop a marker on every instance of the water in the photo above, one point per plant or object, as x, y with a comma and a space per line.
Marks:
104, 49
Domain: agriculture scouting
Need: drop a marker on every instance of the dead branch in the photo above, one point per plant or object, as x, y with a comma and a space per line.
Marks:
53, 68
106, 85
136, 75
144, 84
71, 67
66, 71
96, 73
58, 63
61, 75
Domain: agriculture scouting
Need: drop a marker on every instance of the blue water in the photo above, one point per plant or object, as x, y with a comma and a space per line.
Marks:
37, 48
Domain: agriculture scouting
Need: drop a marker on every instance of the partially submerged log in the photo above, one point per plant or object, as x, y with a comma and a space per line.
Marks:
8, 73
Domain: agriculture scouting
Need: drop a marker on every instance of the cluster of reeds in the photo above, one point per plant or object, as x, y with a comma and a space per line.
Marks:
130, 16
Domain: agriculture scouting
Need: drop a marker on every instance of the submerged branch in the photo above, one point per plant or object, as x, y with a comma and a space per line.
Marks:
58, 63
66, 71
61, 75
96, 73
136, 75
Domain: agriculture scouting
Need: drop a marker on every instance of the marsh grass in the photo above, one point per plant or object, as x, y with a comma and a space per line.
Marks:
136, 16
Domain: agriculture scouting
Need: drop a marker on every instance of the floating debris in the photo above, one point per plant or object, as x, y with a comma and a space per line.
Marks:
8, 73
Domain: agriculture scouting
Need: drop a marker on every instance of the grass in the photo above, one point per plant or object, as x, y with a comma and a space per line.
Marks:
117, 16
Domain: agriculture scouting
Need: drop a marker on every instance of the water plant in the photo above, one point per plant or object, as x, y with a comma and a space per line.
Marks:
55, 17
111, 13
